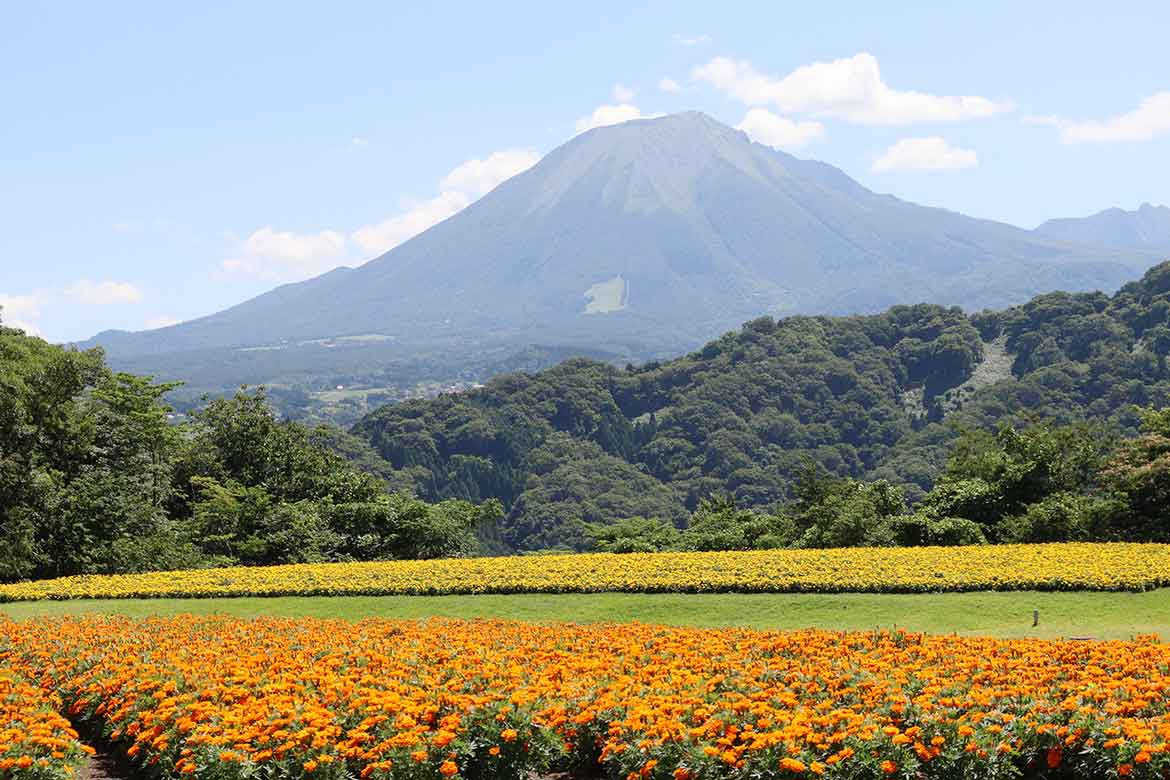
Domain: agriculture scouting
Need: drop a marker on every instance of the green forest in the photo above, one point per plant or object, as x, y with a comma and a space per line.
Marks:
923, 402
96, 478
923, 425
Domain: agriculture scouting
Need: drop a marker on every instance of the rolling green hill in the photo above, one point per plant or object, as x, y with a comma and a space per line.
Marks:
878, 396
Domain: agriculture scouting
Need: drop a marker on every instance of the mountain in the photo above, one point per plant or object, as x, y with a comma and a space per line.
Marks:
877, 396
664, 230
1148, 228
637, 240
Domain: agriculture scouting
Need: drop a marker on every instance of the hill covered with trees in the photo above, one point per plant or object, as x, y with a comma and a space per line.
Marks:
761, 411
96, 478
921, 425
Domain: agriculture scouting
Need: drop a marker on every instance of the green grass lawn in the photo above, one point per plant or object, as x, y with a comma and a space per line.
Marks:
1008, 614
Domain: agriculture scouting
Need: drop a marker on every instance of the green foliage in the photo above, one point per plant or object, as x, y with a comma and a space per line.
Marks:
718, 524
587, 442
1027, 484
886, 397
95, 478
845, 512
1065, 516
634, 534
573, 484
809, 431
919, 530
398, 526
1139, 472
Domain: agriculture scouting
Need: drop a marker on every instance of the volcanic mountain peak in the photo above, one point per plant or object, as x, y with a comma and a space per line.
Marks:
648, 238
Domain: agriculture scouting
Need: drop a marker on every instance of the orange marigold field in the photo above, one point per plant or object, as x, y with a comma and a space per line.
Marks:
274, 698
36, 740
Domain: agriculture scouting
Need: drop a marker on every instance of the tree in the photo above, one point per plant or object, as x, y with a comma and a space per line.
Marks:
718, 524
634, 534
1029, 484
1140, 472
843, 512
95, 478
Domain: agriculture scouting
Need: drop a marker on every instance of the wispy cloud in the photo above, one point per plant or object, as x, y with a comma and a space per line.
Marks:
609, 114
1148, 121
766, 128
385, 235
279, 254
690, 40
850, 89
22, 311
925, 154
289, 255
107, 293
25, 311
669, 85
478, 177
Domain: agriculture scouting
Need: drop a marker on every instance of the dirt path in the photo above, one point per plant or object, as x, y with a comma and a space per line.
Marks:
102, 766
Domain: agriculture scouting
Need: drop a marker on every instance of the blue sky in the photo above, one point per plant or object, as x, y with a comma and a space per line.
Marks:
161, 161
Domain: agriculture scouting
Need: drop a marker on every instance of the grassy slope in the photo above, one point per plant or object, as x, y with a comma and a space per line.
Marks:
1009, 614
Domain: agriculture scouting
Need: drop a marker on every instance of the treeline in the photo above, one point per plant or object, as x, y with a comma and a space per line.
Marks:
865, 398
94, 478
1043, 483
923, 425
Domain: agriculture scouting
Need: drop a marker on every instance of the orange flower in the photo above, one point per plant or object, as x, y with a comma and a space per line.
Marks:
792, 765
632, 698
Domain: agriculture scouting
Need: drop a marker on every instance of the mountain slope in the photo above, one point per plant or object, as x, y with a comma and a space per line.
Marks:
646, 238
1147, 228
880, 395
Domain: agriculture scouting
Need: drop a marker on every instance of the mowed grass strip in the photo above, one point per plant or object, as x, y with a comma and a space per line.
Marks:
1000, 614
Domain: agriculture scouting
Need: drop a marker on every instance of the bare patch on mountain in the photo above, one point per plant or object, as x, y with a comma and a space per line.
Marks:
608, 296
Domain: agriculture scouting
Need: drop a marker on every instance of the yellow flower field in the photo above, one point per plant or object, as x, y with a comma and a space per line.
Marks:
884, 569
452, 700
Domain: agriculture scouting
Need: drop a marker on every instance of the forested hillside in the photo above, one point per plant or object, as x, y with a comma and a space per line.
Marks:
881, 396
95, 477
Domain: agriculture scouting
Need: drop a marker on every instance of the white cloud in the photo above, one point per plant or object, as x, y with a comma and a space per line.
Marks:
288, 256
106, 293
389, 233
690, 40
22, 311
458, 189
358, 140
284, 254
1150, 119
850, 88
669, 85
764, 127
478, 177
925, 154
162, 321
622, 94
609, 115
